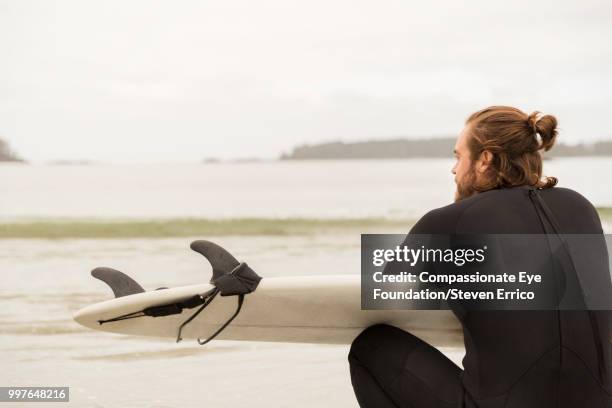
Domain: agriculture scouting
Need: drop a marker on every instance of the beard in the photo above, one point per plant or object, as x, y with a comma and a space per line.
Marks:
466, 187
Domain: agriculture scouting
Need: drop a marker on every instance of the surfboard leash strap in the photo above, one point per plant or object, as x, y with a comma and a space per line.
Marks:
213, 294
215, 334
166, 310
238, 282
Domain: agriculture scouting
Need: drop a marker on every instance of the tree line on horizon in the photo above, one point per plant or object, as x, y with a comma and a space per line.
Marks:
6, 154
420, 148
389, 149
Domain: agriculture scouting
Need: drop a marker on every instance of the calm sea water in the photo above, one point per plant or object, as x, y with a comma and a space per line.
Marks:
46, 281
393, 188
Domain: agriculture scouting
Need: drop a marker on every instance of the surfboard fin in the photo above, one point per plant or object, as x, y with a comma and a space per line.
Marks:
119, 282
220, 259
229, 276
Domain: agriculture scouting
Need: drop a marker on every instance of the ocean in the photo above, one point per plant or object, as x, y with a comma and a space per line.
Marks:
47, 280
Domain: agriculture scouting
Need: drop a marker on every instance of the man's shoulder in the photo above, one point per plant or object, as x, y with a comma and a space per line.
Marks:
488, 210
443, 220
563, 193
569, 204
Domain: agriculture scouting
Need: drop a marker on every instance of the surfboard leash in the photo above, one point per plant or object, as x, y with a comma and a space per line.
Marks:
240, 281
213, 294
167, 310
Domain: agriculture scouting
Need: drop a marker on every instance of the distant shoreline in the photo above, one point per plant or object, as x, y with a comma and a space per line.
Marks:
7, 155
391, 149
421, 148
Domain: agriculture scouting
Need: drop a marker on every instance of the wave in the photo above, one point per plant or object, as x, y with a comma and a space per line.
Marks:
192, 227
63, 228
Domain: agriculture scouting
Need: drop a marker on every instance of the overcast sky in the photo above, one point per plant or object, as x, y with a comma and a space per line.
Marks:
183, 80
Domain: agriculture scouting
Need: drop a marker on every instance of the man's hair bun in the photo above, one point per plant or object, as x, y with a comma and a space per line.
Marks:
546, 127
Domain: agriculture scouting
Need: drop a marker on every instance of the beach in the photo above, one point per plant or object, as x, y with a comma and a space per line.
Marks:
284, 219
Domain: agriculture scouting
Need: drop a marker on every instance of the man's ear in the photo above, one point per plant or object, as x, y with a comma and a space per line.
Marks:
484, 161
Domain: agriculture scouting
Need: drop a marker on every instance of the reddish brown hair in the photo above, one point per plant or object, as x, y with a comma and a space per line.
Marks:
512, 137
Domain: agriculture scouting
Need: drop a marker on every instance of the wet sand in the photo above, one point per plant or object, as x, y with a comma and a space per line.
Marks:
40, 345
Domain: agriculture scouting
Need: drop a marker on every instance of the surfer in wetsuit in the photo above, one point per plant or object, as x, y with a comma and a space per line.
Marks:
526, 359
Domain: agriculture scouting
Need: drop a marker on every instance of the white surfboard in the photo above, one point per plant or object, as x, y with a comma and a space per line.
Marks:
308, 309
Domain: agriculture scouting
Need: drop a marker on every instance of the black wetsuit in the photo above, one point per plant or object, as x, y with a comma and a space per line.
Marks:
514, 359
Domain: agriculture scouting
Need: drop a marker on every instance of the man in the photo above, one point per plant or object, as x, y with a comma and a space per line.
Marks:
527, 359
